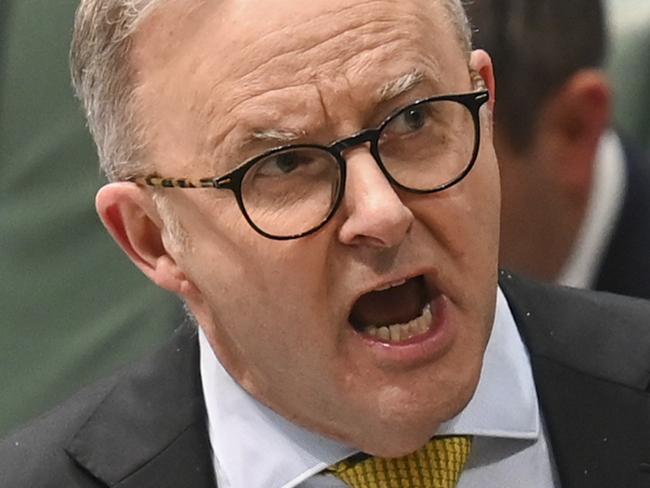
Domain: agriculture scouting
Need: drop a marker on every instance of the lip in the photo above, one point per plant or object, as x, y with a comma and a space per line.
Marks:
420, 349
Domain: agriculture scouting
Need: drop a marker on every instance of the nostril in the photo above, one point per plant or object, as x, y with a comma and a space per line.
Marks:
377, 226
367, 241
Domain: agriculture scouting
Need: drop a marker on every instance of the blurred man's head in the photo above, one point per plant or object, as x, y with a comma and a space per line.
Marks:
302, 265
553, 107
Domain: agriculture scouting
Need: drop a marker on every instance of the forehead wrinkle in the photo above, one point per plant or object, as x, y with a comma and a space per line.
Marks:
258, 77
359, 33
239, 120
284, 135
266, 77
358, 28
347, 37
250, 87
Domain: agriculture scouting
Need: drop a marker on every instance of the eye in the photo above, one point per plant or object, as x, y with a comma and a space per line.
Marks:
410, 120
283, 163
303, 163
287, 162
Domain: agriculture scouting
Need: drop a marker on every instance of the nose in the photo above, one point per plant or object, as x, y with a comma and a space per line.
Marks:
374, 213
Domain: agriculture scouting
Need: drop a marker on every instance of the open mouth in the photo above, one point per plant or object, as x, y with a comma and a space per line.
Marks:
398, 313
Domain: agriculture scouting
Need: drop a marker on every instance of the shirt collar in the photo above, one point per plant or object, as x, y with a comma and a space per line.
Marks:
603, 210
257, 448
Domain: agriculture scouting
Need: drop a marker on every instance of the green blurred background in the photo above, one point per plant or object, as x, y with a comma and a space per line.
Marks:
629, 66
73, 306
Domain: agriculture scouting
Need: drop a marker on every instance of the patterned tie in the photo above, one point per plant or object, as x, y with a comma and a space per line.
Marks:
436, 465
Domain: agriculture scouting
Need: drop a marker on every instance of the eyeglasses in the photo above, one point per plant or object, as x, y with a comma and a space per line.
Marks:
292, 191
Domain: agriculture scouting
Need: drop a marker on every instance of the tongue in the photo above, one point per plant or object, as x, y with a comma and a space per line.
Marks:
393, 306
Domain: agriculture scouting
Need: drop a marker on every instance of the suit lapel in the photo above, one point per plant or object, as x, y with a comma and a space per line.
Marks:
150, 429
598, 423
185, 462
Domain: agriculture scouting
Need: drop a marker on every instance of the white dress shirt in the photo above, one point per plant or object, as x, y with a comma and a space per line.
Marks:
253, 447
602, 214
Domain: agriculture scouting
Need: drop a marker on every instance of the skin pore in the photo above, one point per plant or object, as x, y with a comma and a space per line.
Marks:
276, 313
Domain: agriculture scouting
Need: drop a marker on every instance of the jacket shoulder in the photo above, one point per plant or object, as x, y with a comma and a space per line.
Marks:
600, 334
36, 457
142, 427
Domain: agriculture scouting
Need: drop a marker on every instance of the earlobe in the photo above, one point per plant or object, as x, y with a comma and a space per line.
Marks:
131, 217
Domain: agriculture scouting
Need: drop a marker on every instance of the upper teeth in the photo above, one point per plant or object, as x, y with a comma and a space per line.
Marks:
391, 285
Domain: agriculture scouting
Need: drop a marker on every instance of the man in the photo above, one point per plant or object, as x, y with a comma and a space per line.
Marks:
345, 292
576, 201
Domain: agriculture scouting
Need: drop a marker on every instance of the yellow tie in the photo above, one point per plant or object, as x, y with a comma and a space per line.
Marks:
436, 465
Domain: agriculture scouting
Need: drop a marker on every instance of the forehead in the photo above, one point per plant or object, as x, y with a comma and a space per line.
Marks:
235, 63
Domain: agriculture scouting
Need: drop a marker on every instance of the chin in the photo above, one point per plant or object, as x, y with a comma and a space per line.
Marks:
404, 423
398, 445
396, 437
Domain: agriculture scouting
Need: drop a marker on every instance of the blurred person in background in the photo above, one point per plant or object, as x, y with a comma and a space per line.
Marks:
72, 306
576, 199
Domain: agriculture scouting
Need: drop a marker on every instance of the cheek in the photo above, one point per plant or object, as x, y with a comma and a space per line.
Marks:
469, 217
484, 198
469, 213
273, 291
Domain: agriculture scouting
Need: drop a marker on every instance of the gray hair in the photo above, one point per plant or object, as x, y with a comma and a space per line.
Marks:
103, 78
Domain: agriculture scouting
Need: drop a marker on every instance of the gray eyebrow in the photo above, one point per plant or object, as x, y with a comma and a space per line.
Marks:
277, 135
401, 85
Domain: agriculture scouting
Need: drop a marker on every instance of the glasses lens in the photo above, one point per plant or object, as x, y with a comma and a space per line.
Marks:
429, 144
291, 192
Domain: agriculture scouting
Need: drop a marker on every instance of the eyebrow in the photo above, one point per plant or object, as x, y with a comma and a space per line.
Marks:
277, 135
401, 85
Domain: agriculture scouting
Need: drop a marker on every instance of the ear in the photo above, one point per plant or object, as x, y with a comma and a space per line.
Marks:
570, 129
481, 63
131, 217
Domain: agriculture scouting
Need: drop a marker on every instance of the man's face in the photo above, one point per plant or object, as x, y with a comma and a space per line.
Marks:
287, 318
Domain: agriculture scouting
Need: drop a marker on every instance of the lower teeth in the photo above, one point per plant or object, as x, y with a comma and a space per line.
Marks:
403, 332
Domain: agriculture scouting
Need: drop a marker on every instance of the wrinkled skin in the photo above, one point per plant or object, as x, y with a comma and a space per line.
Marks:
276, 313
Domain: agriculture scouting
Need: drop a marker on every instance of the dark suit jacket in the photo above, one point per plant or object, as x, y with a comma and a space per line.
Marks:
625, 268
145, 428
